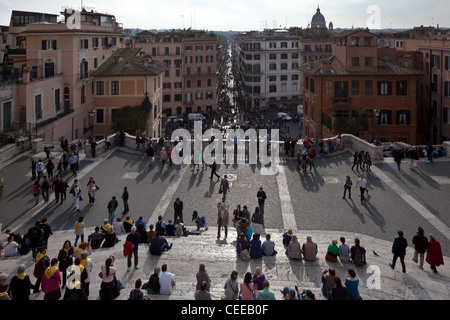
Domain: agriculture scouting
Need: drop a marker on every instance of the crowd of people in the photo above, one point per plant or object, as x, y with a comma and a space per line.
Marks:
414, 154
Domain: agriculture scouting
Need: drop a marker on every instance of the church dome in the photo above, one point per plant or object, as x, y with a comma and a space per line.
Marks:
318, 20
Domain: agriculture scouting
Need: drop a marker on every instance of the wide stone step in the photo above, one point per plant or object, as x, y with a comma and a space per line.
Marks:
219, 257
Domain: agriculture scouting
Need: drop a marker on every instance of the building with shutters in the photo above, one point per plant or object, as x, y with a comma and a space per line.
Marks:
53, 62
268, 64
189, 84
341, 92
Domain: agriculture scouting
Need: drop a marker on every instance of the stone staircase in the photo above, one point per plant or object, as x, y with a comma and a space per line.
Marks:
220, 259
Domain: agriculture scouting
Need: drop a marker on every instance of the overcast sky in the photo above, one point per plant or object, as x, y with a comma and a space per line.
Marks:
242, 15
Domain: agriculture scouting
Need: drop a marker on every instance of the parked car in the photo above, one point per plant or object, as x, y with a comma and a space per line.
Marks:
174, 119
196, 117
284, 116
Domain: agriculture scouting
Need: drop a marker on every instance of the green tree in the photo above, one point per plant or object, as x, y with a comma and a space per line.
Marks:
349, 125
130, 119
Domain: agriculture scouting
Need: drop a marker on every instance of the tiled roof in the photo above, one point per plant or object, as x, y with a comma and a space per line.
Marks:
337, 69
126, 62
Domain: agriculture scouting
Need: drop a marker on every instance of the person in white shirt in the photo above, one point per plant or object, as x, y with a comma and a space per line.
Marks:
166, 281
11, 248
39, 169
362, 186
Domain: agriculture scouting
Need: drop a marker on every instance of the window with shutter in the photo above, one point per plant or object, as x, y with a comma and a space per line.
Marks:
447, 88
384, 88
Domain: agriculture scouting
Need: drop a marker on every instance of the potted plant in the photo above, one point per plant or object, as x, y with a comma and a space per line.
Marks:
2, 186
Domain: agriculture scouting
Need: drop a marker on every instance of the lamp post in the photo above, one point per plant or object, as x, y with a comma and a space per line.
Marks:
377, 139
91, 122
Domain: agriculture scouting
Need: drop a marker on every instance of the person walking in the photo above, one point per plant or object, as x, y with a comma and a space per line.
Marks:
92, 189
225, 186
169, 156
399, 250
214, 170
135, 239
420, 243
348, 186
65, 258
434, 254
398, 156
50, 166
39, 169
79, 230
51, 279
46, 231
76, 192
35, 235
112, 206
20, 284
178, 210
37, 189
45, 188
42, 262
414, 156
223, 218
163, 156
33, 169
362, 183
74, 164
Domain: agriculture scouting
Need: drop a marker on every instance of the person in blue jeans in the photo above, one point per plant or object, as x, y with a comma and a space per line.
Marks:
134, 238
157, 245
225, 185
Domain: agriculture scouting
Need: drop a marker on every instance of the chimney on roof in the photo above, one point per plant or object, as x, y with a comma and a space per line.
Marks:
311, 64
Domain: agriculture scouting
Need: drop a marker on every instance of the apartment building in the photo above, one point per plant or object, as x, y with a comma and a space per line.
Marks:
435, 91
430, 47
189, 83
350, 85
268, 63
54, 71
126, 79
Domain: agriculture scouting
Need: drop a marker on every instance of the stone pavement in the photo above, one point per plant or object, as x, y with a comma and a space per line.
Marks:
220, 259
308, 203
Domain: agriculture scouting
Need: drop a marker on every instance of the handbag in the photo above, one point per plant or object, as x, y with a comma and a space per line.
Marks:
244, 254
220, 190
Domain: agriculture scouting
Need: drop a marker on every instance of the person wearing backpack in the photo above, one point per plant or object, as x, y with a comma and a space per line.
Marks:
358, 254
160, 226
399, 250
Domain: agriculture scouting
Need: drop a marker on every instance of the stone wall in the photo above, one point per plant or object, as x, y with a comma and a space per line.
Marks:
11, 150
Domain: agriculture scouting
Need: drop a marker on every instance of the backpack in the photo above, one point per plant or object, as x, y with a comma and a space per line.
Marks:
179, 231
358, 259
158, 227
